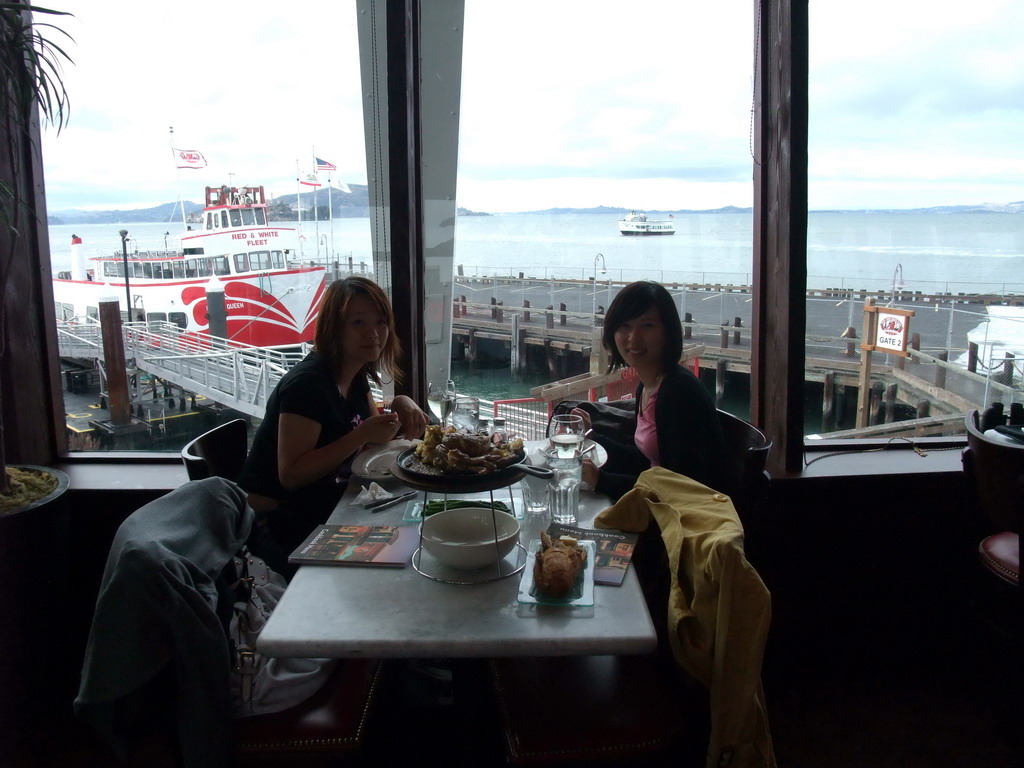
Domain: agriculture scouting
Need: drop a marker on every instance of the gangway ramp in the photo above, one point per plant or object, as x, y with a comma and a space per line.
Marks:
238, 376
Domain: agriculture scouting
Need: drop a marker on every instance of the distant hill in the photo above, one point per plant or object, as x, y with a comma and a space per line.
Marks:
355, 204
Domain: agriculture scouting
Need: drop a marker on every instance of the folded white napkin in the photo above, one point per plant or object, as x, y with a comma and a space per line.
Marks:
372, 493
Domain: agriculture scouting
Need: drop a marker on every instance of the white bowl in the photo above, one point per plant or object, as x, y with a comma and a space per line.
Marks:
465, 538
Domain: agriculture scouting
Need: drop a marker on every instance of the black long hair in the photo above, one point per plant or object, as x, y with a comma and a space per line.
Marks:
631, 302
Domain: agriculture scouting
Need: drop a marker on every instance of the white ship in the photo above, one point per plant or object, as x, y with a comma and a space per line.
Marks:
638, 224
271, 299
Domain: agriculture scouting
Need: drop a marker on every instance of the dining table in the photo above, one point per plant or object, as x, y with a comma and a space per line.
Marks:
357, 611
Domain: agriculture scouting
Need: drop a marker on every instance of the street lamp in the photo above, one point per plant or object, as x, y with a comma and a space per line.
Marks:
897, 283
165, 240
604, 270
127, 290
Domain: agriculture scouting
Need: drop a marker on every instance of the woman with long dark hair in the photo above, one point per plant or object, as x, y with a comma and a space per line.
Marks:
322, 413
676, 423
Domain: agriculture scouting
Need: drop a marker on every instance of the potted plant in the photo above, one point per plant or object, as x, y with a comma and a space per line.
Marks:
31, 88
34, 515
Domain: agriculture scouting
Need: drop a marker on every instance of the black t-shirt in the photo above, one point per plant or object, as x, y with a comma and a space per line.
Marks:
307, 390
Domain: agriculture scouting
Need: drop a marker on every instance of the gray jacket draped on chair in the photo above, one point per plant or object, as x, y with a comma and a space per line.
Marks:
157, 607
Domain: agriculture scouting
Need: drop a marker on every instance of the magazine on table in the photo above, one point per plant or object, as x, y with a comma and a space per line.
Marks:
614, 550
380, 545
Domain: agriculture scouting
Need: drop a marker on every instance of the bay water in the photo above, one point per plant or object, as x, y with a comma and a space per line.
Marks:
929, 252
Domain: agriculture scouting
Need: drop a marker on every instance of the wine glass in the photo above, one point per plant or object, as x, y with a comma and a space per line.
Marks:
566, 435
441, 400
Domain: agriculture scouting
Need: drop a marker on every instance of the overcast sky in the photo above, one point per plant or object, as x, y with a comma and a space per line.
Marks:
566, 103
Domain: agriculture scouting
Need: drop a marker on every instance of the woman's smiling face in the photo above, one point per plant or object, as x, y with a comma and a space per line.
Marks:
365, 330
641, 341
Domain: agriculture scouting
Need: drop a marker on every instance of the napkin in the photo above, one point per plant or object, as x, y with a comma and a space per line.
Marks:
371, 493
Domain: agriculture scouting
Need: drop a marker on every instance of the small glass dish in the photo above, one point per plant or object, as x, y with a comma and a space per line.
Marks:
582, 593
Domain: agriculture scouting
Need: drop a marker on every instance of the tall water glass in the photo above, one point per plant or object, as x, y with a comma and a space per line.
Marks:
566, 435
564, 487
467, 413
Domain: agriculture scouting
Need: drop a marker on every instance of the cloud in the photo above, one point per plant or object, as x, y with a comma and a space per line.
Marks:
572, 103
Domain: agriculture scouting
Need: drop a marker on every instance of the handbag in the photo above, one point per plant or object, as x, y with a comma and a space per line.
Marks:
261, 684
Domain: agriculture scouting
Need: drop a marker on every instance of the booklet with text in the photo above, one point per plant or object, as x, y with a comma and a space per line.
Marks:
387, 545
614, 550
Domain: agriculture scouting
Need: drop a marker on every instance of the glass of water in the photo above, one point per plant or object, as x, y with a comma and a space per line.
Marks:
467, 413
566, 435
564, 487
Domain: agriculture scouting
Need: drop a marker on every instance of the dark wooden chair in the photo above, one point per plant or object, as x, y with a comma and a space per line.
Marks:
995, 475
329, 726
220, 452
747, 449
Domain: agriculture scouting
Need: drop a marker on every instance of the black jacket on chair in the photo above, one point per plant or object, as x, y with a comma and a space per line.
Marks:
690, 439
157, 611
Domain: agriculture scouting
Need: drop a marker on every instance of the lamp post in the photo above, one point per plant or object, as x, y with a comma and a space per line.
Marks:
604, 270
897, 283
165, 240
127, 289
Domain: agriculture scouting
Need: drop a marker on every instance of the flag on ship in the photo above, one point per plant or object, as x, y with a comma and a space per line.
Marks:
323, 165
189, 158
310, 181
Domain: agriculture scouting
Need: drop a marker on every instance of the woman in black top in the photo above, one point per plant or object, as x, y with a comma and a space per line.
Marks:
322, 413
676, 423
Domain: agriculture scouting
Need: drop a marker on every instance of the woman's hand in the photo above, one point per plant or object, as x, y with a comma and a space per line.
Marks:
413, 419
583, 415
590, 473
380, 428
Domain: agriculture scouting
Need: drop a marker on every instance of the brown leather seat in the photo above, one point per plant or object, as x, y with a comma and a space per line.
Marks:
584, 709
322, 730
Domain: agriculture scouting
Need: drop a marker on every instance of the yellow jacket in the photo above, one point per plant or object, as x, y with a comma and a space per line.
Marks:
719, 609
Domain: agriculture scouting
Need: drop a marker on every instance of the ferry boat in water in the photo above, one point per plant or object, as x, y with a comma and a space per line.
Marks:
271, 298
638, 224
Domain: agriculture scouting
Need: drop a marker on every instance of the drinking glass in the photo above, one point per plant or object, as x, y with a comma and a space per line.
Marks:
564, 488
566, 435
467, 413
441, 399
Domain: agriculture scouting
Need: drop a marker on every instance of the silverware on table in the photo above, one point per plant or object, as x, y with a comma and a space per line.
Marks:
377, 506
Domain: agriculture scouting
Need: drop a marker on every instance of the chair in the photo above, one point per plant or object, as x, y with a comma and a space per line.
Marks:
645, 710
156, 674
995, 474
220, 452
747, 449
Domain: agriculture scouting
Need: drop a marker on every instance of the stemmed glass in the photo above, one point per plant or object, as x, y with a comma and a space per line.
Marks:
441, 399
566, 435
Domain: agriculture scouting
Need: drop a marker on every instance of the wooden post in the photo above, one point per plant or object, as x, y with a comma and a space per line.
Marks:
877, 406
561, 319
890, 403
724, 343
687, 321
737, 323
500, 312
828, 405
113, 354
494, 307
526, 312
864, 380
549, 317
972, 357
940, 371
721, 366
850, 333
924, 408
1006, 376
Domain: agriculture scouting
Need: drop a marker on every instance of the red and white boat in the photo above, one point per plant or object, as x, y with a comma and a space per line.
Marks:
271, 298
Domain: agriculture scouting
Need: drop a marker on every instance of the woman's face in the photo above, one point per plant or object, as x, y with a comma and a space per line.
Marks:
640, 341
364, 331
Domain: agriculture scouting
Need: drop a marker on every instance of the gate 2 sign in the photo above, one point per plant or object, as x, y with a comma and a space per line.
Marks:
891, 330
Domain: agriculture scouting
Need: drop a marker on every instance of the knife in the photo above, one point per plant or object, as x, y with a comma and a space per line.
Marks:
377, 506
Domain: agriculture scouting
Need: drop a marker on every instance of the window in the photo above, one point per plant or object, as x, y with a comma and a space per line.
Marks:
241, 262
914, 167
236, 217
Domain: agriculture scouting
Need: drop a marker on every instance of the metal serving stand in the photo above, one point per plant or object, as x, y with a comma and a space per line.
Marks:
443, 485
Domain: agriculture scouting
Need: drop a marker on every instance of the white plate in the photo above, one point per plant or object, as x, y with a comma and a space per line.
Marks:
584, 588
599, 455
376, 462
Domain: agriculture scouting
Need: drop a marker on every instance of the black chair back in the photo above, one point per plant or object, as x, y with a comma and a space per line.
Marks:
747, 449
995, 472
220, 452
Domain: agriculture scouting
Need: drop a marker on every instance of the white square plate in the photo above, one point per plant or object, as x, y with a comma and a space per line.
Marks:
582, 593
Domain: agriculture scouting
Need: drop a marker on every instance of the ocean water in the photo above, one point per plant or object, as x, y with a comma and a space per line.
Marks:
933, 253
975, 253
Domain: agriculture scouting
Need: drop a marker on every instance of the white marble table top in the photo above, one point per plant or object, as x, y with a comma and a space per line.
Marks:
353, 611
